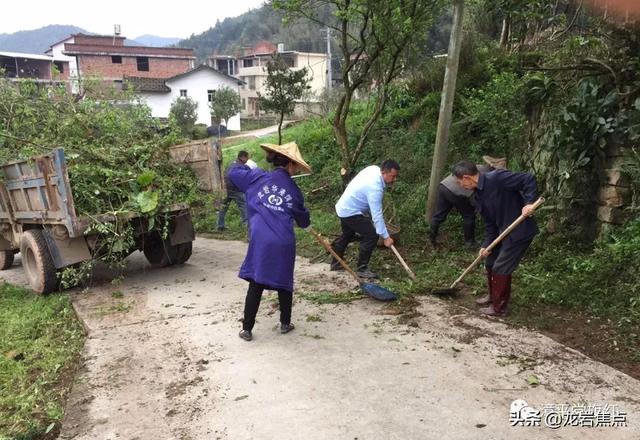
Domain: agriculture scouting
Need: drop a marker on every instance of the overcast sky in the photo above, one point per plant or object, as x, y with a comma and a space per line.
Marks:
177, 19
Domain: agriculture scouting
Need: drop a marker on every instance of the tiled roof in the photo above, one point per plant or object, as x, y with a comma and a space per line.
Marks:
140, 84
205, 67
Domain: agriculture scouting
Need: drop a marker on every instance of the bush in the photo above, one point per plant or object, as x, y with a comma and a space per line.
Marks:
199, 132
184, 114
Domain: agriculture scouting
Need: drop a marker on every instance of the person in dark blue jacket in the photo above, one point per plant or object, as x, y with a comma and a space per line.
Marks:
274, 204
233, 193
501, 197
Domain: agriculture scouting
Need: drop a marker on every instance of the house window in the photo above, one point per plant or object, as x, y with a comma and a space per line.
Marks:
247, 63
211, 94
244, 85
244, 103
252, 83
143, 63
59, 66
117, 59
183, 92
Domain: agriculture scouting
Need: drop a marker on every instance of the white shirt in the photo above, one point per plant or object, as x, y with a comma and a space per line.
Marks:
251, 164
363, 196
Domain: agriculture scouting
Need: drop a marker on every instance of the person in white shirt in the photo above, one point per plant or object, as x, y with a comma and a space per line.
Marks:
251, 164
360, 212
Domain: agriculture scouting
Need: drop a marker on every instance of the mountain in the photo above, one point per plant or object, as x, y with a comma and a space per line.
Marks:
37, 40
153, 40
232, 34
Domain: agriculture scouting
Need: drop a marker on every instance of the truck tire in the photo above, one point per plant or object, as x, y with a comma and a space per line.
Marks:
37, 262
158, 251
6, 259
183, 252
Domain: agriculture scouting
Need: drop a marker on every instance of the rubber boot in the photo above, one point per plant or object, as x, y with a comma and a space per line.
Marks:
500, 295
486, 299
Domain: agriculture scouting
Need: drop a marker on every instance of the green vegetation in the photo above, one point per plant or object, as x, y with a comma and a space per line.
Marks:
40, 344
184, 113
226, 103
117, 156
283, 88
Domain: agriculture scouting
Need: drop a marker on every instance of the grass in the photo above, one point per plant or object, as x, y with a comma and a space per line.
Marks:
40, 344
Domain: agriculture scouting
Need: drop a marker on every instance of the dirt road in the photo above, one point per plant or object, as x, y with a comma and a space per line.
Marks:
163, 361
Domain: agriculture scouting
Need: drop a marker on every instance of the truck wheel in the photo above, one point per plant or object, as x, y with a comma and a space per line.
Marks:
159, 251
6, 259
183, 252
37, 262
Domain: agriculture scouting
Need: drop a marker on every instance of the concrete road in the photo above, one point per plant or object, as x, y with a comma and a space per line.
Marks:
163, 361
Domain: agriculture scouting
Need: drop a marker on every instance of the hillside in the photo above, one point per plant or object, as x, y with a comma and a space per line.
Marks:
36, 40
232, 34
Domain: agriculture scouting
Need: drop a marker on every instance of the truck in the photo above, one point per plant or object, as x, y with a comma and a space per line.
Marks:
38, 219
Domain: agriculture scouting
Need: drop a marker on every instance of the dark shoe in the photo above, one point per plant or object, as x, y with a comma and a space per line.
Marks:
246, 335
286, 328
366, 273
336, 267
433, 235
221, 228
484, 300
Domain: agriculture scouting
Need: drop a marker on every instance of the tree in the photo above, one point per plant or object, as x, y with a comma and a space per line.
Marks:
374, 38
184, 112
283, 88
225, 104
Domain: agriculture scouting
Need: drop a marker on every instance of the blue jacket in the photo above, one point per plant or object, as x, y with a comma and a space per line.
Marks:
228, 183
274, 203
500, 196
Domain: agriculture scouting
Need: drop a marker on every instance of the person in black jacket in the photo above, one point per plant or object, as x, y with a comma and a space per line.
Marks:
451, 195
501, 197
233, 193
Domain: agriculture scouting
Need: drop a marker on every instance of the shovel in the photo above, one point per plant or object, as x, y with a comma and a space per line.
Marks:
404, 264
452, 289
373, 290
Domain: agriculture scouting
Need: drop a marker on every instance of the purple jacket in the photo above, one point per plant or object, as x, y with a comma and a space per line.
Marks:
500, 196
274, 203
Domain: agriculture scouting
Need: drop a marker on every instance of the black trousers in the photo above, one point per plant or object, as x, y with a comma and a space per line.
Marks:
446, 202
369, 238
252, 303
505, 257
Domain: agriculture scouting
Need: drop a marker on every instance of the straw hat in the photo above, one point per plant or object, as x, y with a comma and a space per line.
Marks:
289, 150
499, 163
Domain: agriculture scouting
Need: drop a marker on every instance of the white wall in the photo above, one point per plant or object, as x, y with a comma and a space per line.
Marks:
196, 84
56, 52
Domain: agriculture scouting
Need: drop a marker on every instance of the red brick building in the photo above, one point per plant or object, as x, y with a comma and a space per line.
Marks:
109, 58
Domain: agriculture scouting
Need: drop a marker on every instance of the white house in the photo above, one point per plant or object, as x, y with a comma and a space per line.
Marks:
199, 84
55, 51
251, 68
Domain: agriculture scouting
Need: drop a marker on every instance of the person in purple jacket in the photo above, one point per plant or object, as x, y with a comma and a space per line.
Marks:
501, 197
274, 203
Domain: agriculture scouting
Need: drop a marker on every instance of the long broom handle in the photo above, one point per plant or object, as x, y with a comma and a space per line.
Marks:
497, 241
405, 265
328, 247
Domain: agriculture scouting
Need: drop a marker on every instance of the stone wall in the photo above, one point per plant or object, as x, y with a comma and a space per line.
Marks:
615, 192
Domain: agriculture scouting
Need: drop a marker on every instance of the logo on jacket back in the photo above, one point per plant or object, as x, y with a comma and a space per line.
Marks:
275, 197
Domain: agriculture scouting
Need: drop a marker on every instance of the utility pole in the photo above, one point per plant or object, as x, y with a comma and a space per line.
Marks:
329, 69
446, 107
